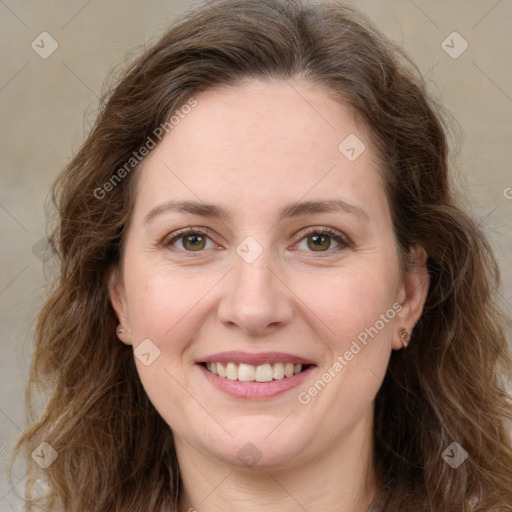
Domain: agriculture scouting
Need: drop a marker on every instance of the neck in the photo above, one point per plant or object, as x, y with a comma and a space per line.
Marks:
341, 478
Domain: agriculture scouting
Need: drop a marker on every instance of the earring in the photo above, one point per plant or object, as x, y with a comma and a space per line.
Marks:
120, 330
404, 336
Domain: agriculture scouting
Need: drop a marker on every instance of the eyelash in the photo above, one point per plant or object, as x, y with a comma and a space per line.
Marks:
341, 239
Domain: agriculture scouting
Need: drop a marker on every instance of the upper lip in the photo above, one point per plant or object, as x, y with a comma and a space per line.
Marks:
235, 356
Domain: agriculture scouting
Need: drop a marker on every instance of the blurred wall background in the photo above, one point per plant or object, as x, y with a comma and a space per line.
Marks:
49, 93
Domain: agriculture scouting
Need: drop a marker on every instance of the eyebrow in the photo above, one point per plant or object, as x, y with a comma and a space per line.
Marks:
290, 210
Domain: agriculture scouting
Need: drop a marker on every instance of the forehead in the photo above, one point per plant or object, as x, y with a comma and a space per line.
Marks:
262, 142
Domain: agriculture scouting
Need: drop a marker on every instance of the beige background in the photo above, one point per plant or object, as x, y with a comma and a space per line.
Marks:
46, 104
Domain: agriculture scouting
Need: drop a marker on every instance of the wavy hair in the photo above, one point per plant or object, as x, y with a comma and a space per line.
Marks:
115, 452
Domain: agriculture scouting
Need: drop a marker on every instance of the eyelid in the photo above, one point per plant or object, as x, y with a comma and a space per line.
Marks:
176, 235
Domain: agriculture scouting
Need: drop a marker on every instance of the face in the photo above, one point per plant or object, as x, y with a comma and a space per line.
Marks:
286, 257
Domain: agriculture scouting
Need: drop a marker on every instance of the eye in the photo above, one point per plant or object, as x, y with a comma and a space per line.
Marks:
189, 239
320, 240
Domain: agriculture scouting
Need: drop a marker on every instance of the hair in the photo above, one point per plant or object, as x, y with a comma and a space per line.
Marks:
115, 452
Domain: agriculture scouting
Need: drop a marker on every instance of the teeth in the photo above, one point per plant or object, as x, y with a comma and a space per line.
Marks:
246, 372
263, 373
250, 373
232, 371
278, 371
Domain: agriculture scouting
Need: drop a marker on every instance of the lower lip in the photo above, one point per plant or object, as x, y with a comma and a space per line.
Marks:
256, 390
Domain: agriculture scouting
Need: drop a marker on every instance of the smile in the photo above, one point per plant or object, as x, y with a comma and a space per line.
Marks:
251, 373
253, 389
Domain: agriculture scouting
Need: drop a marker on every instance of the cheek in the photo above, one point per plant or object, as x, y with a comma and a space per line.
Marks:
357, 319
163, 307
161, 301
352, 301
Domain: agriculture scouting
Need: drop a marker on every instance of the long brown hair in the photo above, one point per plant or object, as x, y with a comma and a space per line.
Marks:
115, 453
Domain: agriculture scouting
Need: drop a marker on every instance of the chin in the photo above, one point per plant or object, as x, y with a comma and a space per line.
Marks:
264, 448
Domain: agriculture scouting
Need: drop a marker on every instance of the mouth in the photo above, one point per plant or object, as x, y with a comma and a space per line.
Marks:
244, 372
255, 376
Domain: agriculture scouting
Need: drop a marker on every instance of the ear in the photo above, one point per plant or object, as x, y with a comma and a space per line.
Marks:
117, 295
412, 293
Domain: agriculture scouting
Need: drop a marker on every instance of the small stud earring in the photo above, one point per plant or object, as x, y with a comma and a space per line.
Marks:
120, 330
404, 336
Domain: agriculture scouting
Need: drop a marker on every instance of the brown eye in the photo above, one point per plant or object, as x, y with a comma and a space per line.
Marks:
188, 241
193, 242
321, 240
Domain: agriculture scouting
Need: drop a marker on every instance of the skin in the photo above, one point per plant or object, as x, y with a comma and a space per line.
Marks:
252, 149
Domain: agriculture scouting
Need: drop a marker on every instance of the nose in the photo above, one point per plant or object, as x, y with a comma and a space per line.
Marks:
255, 299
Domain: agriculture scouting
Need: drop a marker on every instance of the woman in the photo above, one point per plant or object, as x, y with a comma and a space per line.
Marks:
269, 297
